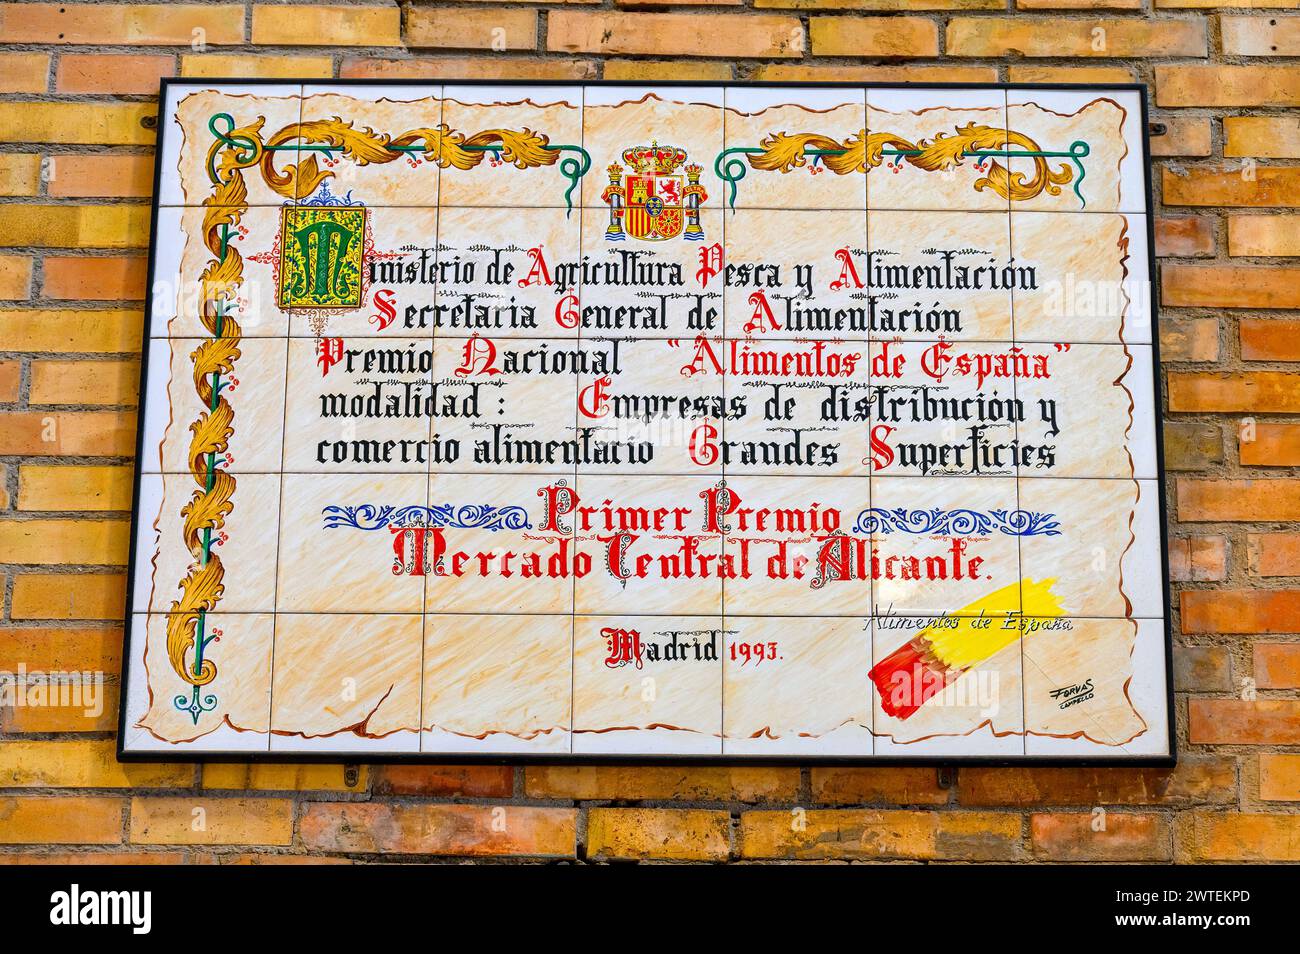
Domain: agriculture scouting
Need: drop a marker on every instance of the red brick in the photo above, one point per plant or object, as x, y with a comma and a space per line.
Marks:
1229, 286
661, 783
1184, 236
1240, 611
1107, 836
1270, 339
1196, 779
1241, 722
372, 827
1198, 559
112, 73
471, 781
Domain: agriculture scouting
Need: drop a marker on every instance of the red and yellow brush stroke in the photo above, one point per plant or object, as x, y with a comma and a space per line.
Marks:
939, 655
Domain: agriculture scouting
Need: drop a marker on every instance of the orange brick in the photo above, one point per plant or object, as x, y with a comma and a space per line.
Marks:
24, 72
1192, 445
72, 541
82, 764
74, 487
880, 5
67, 433
211, 821
1265, 391
895, 785
76, 226
433, 829
1216, 837
1198, 559
1273, 554
1277, 665
45, 648
283, 778
471, 781
327, 25
1233, 500
1260, 36
1202, 669
93, 858
20, 174
1184, 136
1262, 137
112, 73
494, 29
95, 124
661, 783
858, 834
1239, 611
72, 330
1258, 186
69, 714
57, 382
874, 36
1184, 236
10, 379
494, 66
111, 176
1033, 73
80, 596
672, 834
1231, 86
1078, 4
1221, 4
1274, 445
1239, 722
799, 73
1196, 779
1114, 836
653, 70
273, 66
1271, 234
109, 278
674, 34
60, 820
1279, 777
15, 277
143, 24
1053, 36
1229, 286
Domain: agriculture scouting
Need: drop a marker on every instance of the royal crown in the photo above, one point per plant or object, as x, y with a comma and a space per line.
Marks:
654, 158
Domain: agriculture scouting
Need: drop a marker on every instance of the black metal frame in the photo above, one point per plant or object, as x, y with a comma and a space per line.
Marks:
1134, 762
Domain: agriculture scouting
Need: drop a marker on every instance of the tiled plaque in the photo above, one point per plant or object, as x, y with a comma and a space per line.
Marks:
684, 422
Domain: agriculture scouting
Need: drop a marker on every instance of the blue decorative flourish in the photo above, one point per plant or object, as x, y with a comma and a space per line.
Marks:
960, 522
462, 516
326, 197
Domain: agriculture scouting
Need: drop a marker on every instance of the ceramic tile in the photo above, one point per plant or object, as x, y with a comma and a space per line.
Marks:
506, 405
778, 129
646, 412
196, 113
393, 128
795, 395
509, 273
661, 289
1099, 130
252, 384
325, 695
359, 405
940, 408
1089, 410
649, 143
812, 284
924, 137
945, 545
1097, 546
947, 686
647, 684
502, 542
352, 543
503, 145
232, 710
773, 667
497, 684
941, 274
242, 547
649, 548
180, 296
1082, 696
797, 546
1093, 287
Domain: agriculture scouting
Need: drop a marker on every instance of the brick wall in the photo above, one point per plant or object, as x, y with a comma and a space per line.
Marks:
77, 106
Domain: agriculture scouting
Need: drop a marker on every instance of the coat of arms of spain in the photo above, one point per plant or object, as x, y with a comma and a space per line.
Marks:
651, 201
